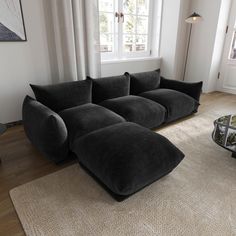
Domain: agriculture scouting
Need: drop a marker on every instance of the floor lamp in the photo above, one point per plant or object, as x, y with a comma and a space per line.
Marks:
192, 19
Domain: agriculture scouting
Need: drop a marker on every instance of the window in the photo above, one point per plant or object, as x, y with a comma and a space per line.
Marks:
233, 47
125, 28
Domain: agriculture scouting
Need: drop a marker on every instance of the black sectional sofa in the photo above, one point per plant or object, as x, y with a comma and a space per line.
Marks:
106, 123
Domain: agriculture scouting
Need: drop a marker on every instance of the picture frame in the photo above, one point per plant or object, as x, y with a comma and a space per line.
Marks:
12, 25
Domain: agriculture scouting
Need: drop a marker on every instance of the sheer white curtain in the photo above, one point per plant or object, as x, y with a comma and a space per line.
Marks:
76, 33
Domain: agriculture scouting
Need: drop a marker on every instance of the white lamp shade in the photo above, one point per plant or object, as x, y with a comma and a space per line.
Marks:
194, 18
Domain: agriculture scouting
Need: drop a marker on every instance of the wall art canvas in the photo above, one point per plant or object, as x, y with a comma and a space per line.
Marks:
12, 27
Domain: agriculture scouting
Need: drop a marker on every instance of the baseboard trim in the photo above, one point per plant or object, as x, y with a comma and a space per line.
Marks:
14, 123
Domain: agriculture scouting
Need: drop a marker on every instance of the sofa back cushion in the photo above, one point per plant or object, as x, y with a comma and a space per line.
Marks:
64, 95
45, 129
145, 81
110, 87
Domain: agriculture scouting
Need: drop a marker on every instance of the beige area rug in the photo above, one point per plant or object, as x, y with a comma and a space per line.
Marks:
197, 198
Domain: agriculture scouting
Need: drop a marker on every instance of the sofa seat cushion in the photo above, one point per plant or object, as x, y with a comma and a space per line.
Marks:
86, 118
126, 157
138, 110
176, 103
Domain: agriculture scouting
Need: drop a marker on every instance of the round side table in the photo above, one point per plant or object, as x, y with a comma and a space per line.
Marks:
3, 128
224, 133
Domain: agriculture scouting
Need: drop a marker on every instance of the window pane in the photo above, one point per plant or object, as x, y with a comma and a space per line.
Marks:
142, 25
141, 43
129, 6
106, 22
106, 5
143, 7
135, 43
106, 42
129, 43
129, 24
233, 48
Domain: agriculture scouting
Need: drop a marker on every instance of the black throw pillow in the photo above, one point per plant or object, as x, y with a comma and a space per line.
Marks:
145, 81
64, 95
110, 87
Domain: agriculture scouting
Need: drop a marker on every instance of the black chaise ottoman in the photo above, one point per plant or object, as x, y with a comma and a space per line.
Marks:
126, 157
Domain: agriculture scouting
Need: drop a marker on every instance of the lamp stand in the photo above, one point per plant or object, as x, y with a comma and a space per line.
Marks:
186, 59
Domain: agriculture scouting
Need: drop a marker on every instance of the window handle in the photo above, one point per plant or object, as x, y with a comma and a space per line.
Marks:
117, 15
122, 16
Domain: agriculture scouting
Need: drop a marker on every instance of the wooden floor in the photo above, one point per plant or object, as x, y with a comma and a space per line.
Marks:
21, 163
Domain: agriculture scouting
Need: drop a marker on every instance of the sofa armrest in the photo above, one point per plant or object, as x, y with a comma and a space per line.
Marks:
192, 89
45, 129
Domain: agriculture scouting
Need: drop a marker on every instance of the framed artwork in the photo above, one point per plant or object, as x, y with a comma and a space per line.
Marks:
12, 27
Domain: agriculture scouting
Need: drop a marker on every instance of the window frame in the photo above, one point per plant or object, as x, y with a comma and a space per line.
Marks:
119, 52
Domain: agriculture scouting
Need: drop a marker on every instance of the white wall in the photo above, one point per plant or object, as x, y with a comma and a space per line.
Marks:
174, 38
204, 53
182, 39
134, 66
23, 63
169, 32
